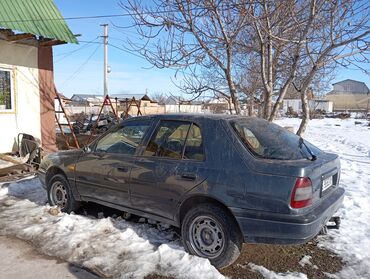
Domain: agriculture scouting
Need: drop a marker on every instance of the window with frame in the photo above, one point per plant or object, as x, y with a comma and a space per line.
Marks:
6, 96
194, 144
123, 140
177, 140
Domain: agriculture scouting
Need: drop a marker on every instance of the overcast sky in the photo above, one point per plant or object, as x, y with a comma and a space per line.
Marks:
79, 68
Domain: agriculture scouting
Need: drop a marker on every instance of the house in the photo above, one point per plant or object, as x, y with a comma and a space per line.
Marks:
89, 100
143, 101
27, 36
292, 100
296, 105
350, 95
90, 104
175, 104
218, 105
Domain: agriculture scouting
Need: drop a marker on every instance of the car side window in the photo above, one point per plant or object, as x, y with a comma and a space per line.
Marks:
123, 140
249, 139
194, 144
178, 140
168, 140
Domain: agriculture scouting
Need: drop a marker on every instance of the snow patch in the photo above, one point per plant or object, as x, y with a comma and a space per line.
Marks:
121, 249
306, 260
352, 143
113, 247
273, 275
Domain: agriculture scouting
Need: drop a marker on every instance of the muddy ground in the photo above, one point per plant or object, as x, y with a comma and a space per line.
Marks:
281, 258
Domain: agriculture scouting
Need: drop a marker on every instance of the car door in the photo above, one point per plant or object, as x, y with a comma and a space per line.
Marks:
103, 174
171, 164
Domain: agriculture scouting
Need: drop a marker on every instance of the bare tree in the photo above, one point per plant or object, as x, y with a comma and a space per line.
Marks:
340, 34
189, 35
160, 98
302, 43
257, 49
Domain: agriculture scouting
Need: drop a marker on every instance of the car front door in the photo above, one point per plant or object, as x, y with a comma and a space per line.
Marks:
104, 173
171, 164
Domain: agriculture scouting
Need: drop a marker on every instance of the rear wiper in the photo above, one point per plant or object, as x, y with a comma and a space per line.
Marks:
313, 156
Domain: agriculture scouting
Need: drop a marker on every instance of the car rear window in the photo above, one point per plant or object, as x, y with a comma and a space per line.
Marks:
268, 140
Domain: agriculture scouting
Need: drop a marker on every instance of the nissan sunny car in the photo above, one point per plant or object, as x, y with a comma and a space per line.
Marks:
222, 179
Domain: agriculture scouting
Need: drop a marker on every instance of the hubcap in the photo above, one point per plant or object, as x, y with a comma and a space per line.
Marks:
59, 194
206, 237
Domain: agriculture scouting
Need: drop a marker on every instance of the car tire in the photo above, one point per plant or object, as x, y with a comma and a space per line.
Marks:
209, 231
60, 194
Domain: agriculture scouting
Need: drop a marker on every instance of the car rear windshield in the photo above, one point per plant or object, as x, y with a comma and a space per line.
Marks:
268, 140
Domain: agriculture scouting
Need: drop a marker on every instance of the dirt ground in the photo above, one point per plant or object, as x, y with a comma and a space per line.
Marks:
281, 258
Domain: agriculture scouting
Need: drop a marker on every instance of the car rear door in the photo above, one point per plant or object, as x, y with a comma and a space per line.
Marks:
103, 174
172, 163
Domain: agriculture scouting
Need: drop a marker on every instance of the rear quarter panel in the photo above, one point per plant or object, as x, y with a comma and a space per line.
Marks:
233, 178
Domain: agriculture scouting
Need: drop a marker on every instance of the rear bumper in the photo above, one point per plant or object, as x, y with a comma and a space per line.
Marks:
262, 227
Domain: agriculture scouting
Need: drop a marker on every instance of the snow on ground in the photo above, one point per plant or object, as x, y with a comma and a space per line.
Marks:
352, 143
109, 246
272, 275
121, 249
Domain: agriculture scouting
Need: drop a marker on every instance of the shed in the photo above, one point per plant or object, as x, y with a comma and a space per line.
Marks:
28, 31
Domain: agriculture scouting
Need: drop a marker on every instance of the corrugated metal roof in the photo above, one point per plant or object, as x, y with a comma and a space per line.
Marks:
38, 17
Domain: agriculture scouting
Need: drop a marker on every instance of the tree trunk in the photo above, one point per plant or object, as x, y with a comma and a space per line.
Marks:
270, 84
250, 106
235, 101
233, 93
305, 111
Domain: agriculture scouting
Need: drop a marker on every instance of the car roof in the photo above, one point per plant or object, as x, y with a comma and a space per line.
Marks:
195, 116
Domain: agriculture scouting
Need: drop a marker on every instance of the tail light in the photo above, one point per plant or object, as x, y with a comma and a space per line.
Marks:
302, 193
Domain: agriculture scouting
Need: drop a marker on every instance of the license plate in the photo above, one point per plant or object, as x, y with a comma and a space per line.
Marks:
327, 183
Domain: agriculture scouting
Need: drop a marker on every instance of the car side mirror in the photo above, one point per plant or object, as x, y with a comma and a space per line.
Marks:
86, 149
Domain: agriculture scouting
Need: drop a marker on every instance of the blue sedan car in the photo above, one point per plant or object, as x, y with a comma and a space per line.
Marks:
222, 179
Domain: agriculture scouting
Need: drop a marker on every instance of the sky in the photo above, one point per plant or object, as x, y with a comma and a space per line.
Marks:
78, 69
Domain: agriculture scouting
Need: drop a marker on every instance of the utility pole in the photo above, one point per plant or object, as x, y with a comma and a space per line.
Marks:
105, 37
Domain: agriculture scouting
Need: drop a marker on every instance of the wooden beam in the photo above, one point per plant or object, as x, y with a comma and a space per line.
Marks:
6, 32
18, 37
51, 42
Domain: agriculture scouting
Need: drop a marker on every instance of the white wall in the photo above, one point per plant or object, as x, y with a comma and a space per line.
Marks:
183, 108
296, 105
23, 61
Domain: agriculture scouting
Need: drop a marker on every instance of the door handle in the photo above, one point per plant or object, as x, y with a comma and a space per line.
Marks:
123, 169
188, 176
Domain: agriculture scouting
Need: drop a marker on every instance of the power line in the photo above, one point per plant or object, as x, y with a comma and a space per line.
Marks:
80, 68
104, 16
94, 16
127, 51
69, 53
119, 48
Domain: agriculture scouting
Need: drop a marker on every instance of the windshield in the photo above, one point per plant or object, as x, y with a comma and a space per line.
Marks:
268, 140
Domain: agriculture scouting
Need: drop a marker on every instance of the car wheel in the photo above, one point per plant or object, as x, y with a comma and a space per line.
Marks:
60, 194
209, 232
